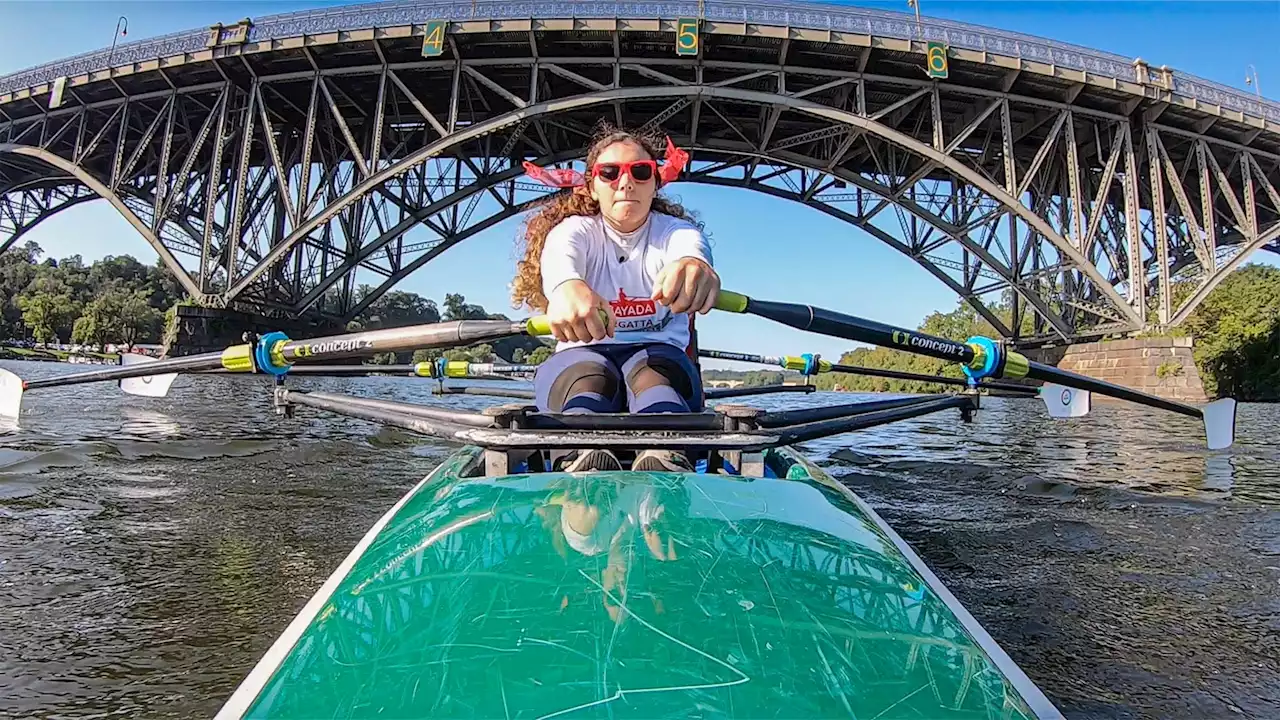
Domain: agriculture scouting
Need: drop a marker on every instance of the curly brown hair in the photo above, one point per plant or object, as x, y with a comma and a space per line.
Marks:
526, 288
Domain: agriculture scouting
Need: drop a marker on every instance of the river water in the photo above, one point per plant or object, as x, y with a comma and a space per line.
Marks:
152, 549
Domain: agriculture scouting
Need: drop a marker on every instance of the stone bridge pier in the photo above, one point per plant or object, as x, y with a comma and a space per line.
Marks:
1161, 366
201, 329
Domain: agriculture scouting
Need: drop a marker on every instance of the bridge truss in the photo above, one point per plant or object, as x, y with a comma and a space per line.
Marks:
278, 175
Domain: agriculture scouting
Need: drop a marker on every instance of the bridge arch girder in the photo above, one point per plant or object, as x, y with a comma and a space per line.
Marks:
1079, 170
23, 208
511, 175
100, 190
854, 123
508, 212
1213, 281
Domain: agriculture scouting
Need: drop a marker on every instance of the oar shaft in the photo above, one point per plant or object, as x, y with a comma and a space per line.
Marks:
941, 380
899, 375
283, 353
340, 370
741, 357
828, 322
189, 363
413, 337
488, 369
1048, 373
980, 355
794, 363
428, 369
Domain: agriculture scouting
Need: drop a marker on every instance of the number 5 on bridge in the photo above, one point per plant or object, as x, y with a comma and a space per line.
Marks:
433, 39
687, 36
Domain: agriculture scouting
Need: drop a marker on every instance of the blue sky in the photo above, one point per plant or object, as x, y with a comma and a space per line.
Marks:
764, 246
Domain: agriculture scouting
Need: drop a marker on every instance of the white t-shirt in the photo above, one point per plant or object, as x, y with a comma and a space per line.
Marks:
622, 269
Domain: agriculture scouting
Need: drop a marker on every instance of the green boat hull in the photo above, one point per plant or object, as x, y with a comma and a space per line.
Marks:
634, 594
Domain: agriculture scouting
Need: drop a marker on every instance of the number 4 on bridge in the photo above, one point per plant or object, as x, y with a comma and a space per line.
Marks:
433, 38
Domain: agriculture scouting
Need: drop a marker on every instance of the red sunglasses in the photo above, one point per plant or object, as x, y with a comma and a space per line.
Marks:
639, 170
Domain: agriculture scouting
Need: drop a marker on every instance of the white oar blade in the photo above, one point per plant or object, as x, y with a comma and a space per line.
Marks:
1220, 423
1065, 402
147, 386
10, 395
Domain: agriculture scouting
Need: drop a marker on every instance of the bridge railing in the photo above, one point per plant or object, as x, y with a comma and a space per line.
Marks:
789, 13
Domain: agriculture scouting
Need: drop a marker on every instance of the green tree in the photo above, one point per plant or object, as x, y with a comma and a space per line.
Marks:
960, 324
397, 309
517, 356
162, 286
456, 307
122, 270
17, 270
44, 312
1237, 335
426, 355
458, 354
98, 324
137, 319
539, 355
24, 274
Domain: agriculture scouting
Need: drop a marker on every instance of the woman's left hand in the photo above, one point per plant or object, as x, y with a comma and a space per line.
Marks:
687, 285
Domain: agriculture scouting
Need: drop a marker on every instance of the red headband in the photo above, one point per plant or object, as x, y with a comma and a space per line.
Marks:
673, 164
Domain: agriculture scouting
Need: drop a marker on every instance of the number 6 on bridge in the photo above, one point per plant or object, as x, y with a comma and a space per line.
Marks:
936, 59
433, 39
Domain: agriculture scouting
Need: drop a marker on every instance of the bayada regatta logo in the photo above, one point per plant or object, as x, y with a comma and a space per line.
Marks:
625, 307
638, 314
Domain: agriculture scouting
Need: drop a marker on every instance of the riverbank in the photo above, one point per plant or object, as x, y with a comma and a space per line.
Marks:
51, 355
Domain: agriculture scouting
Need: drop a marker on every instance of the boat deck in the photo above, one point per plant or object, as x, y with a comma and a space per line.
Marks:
634, 594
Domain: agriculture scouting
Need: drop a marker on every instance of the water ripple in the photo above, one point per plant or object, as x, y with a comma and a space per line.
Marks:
151, 549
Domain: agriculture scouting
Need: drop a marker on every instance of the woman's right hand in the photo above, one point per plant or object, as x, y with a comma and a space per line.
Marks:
573, 311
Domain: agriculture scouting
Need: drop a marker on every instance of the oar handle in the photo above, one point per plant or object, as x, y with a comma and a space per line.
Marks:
730, 301
541, 324
538, 325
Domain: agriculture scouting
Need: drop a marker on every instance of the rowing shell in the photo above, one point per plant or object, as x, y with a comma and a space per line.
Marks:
634, 594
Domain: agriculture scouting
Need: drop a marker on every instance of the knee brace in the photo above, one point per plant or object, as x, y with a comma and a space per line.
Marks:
594, 382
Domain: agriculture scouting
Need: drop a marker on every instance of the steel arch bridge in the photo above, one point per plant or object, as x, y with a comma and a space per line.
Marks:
273, 165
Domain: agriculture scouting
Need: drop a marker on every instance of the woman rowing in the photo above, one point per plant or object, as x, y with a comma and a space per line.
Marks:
618, 271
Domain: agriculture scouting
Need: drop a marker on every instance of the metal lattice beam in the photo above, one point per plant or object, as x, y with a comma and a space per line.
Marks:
278, 187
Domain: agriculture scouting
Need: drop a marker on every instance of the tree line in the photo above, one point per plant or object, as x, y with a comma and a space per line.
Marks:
119, 300
1237, 334
398, 308
114, 300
